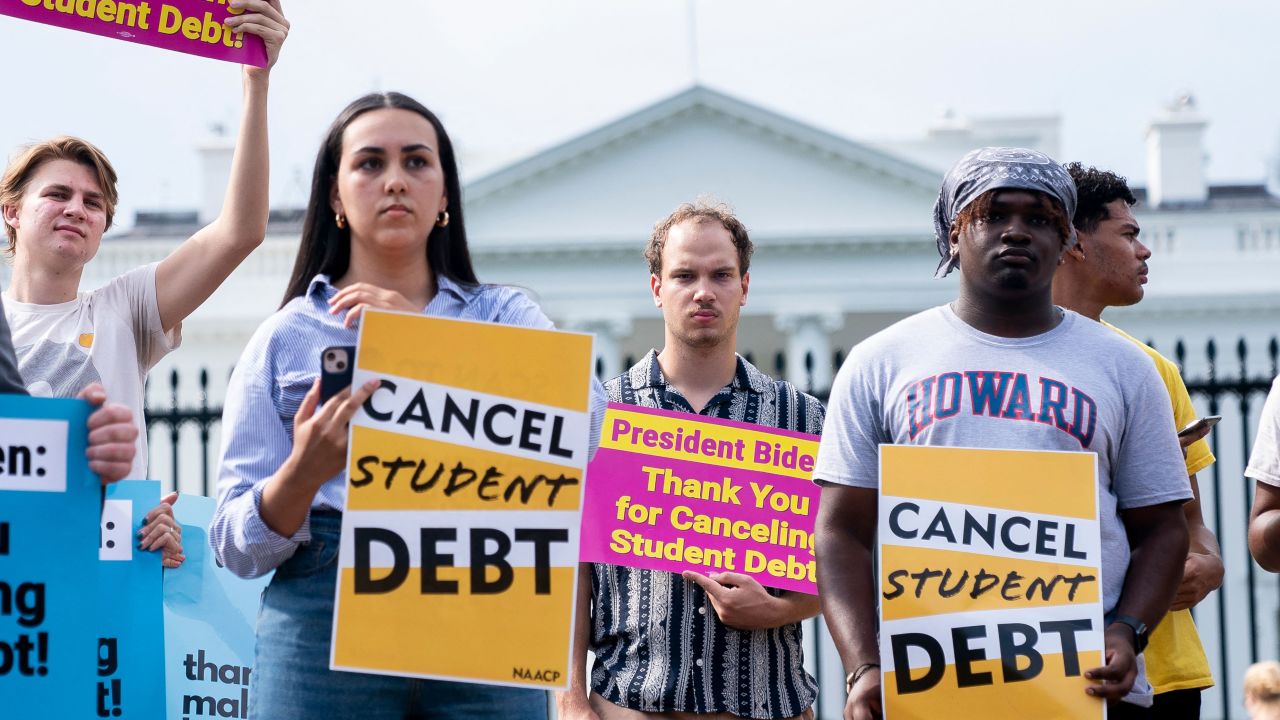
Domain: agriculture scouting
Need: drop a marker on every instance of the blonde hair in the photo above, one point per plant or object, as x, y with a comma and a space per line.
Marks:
18, 175
1262, 682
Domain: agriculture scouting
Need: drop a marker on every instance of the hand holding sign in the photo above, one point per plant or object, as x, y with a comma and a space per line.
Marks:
864, 698
160, 531
1115, 679
739, 601
266, 20
111, 436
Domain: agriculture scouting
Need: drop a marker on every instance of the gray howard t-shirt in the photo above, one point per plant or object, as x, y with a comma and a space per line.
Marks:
931, 379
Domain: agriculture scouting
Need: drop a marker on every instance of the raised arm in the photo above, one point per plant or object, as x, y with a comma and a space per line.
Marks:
187, 278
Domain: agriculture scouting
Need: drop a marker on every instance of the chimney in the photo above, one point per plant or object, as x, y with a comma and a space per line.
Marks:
215, 171
949, 124
1176, 156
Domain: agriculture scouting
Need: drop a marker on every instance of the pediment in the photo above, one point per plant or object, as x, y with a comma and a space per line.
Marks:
785, 178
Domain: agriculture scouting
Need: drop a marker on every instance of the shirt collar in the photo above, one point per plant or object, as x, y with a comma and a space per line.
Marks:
319, 282
443, 285
746, 378
458, 290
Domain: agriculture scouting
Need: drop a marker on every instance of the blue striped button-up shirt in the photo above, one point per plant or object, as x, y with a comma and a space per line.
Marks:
276, 370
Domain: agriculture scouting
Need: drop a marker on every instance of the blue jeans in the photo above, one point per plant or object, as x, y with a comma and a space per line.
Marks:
291, 677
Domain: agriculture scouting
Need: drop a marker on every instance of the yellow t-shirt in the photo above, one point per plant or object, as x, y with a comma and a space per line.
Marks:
1175, 658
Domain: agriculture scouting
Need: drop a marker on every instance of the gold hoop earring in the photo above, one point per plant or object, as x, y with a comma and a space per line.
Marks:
442, 220
340, 219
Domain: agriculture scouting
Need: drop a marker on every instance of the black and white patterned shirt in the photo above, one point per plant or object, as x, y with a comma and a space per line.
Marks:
659, 646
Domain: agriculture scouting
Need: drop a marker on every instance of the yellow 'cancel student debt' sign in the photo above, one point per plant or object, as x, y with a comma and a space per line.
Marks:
459, 546
990, 581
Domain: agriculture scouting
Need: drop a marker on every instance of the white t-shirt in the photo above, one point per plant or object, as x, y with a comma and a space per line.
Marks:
1264, 462
111, 335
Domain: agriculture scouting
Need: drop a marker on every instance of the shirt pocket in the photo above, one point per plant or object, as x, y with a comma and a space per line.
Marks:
290, 389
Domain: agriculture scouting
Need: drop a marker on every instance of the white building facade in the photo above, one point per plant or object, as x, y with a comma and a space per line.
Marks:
844, 247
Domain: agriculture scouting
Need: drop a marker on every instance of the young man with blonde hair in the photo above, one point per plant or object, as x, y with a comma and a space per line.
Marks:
718, 646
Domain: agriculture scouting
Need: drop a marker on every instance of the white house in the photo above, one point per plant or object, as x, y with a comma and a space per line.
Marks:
844, 247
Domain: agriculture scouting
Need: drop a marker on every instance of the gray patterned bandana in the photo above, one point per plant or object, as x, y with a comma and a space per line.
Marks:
992, 168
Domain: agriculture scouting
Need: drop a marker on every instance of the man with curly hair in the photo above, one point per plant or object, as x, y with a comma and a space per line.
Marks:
1108, 268
1002, 367
674, 646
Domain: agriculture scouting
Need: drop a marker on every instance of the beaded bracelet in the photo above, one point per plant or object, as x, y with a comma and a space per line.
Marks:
852, 678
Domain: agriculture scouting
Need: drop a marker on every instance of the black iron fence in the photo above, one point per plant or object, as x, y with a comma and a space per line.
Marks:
168, 423
1246, 589
1238, 622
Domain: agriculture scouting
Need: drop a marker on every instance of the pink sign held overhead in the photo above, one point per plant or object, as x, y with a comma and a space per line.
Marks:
676, 491
194, 27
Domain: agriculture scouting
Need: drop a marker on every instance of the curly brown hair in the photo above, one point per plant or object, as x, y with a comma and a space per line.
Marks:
700, 210
1095, 189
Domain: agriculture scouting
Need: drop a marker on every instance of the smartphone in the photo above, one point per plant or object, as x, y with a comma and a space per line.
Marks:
1207, 421
336, 366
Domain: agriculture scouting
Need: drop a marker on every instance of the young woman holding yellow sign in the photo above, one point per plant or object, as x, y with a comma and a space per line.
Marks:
383, 229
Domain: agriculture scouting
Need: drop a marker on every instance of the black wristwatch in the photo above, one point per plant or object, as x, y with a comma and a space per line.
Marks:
1140, 633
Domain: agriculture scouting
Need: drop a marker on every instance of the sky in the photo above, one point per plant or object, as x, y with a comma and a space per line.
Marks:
510, 77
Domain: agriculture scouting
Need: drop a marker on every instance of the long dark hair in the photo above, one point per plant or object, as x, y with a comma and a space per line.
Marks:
327, 249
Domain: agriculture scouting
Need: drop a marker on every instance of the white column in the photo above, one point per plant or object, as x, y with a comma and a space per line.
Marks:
809, 334
608, 333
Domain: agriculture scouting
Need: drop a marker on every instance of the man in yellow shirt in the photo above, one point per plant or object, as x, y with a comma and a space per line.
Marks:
1108, 267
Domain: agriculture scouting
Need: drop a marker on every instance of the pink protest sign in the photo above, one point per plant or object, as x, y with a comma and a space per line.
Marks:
187, 26
676, 491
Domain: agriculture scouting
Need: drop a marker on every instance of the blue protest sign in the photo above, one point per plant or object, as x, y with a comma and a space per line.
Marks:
210, 616
130, 683
49, 504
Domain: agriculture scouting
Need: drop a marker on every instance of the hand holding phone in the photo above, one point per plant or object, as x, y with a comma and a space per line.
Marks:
337, 364
1200, 426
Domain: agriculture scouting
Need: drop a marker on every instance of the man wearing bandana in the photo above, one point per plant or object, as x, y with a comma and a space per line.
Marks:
1002, 367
